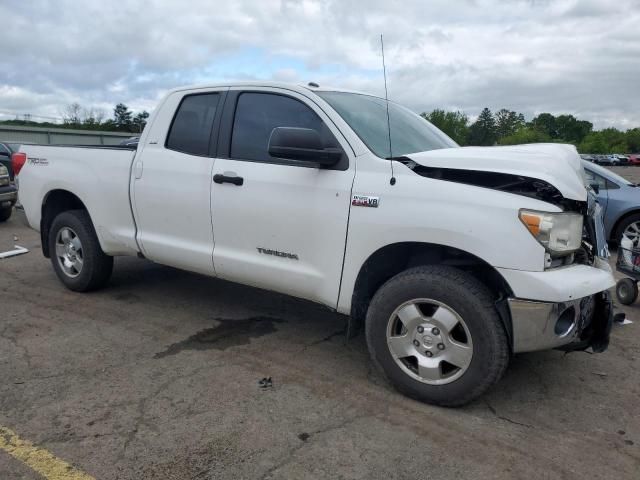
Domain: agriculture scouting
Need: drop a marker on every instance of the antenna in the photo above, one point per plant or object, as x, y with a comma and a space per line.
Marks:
386, 98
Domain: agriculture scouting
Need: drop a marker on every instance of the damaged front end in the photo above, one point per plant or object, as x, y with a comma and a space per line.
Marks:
591, 247
572, 325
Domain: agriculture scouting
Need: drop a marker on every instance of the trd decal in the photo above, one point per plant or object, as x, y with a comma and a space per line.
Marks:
38, 161
365, 201
276, 253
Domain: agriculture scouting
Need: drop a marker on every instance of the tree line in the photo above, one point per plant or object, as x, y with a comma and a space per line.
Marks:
76, 117
506, 127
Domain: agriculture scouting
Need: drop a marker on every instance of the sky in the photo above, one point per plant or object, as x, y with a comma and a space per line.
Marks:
567, 56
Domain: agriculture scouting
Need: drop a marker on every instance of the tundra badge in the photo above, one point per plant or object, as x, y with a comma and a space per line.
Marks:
276, 253
365, 201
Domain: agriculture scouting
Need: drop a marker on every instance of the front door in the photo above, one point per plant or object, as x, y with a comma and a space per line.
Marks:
283, 226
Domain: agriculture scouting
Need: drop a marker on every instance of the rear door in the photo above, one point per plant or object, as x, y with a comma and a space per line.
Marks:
283, 226
172, 186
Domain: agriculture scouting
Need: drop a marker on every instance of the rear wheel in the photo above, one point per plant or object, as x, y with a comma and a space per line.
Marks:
435, 333
5, 213
627, 291
75, 252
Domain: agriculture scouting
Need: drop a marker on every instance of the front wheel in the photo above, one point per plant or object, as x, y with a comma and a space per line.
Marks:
75, 252
435, 333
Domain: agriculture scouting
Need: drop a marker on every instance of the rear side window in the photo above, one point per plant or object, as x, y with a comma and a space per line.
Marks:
594, 179
257, 114
192, 125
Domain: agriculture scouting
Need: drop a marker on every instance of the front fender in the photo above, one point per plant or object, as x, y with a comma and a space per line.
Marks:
480, 221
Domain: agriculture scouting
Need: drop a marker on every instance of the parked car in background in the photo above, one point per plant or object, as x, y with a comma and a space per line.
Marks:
634, 159
6, 150
8, 194
620, 202
603, 160
588, 158
130, 142
622, 159
613, 159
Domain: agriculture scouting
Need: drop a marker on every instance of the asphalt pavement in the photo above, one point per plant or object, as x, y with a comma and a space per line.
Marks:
158, 377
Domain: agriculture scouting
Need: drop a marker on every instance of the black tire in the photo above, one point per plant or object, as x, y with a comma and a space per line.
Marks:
472, 302
633, 218
627, 291
97, 266
5, 213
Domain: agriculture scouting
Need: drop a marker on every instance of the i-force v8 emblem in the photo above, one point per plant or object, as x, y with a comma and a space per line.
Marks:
365, 201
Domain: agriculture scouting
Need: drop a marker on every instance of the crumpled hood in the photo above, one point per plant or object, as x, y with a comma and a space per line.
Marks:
557, 164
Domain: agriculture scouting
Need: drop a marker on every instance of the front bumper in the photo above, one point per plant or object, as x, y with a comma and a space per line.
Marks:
567, 307
572, 325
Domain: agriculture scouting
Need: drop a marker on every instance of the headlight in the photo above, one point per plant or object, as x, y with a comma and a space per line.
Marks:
558, 233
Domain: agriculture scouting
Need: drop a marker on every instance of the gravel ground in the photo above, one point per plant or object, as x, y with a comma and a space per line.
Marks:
156, 377
631, 173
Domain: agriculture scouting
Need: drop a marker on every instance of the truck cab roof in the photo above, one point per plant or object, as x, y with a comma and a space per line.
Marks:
300, 88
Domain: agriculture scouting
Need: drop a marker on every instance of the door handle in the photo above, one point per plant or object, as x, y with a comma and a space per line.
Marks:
222, 178
138, 169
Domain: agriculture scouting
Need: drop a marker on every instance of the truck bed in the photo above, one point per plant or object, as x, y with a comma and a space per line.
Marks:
98, 176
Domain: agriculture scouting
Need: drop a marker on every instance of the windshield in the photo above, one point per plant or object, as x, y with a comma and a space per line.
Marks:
367, 116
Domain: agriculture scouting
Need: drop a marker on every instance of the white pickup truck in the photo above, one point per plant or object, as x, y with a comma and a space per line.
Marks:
454, 258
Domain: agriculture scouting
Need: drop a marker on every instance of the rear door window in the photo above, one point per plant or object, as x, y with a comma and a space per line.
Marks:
193, 124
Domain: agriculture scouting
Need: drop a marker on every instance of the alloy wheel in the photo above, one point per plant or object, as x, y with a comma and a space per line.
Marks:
429, 341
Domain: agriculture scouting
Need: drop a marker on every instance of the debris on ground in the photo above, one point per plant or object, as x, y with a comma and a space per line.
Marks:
266, 382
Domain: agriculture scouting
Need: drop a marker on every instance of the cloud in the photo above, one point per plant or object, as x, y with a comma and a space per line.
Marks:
574, 56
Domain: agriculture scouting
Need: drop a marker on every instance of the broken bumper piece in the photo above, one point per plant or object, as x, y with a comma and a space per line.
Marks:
572, 325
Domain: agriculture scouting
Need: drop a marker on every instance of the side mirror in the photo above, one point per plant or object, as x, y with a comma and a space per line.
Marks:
596, 187
302, 144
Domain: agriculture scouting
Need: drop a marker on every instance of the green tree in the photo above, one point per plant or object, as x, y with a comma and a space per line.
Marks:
633, 140
140, 120
525, 135
122, 117
483, 130
455, 124
572, 130
545, 123
615, 140
92, 119
508, 122
71, 114
593, 143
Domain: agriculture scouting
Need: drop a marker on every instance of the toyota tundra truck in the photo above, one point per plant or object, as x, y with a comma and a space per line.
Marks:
454, 259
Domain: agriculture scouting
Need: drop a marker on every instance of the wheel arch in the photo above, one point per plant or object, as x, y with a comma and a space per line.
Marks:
388, 261
54, 203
